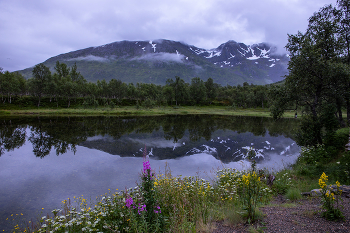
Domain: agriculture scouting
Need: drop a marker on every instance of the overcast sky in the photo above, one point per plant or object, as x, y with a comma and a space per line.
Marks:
31, 31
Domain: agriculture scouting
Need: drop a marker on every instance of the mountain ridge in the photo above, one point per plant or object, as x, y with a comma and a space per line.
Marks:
155, 61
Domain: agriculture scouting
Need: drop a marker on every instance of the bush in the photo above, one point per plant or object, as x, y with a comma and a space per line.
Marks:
314, 155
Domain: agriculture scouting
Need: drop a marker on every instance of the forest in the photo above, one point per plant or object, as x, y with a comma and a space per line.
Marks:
66, 85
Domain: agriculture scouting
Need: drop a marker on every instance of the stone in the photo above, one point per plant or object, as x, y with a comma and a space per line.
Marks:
333, 188
315, 192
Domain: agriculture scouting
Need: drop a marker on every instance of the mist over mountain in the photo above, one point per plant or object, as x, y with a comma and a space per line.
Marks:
156, 61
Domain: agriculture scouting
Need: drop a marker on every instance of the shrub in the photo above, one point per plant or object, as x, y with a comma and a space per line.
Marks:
313, 155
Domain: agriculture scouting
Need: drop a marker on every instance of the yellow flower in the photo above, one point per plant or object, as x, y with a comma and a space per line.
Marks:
322, 181
338, 184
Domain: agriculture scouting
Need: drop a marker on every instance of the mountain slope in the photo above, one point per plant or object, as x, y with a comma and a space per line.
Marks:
155, 61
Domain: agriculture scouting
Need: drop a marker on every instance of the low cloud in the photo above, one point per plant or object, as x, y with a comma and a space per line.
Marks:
90, 58
165, 57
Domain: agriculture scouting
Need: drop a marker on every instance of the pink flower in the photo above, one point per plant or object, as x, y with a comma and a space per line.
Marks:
141, 208
146, 166
129, 202
157, 211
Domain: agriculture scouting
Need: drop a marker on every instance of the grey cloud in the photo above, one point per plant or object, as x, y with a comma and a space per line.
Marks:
168, 57
33, 31
90, 58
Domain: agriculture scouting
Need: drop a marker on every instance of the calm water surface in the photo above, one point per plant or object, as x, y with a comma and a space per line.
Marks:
46, 160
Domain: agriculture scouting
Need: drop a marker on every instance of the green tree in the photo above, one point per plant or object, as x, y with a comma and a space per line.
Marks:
55, 86
312, 80
344, 34
67, 82
8, 85
62, 69
168, 93
197, 90
131, 91
41, 76
21, 84
180, 89
211, 88
118, 89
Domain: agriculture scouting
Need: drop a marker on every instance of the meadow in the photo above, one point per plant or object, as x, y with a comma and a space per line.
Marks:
142, 111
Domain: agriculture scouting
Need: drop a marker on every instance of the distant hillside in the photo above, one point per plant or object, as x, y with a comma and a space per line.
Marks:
155, 61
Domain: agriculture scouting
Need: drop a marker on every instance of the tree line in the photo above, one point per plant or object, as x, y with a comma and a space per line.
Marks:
67, 84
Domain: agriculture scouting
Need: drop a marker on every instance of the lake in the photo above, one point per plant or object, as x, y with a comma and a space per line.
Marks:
45, 160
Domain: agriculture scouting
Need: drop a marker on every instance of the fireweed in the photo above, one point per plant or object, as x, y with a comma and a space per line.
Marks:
330, 199
150, 204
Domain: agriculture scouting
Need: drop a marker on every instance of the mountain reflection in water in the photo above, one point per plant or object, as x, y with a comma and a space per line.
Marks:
226, 138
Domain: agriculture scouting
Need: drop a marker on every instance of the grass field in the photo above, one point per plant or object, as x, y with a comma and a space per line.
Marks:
132, 111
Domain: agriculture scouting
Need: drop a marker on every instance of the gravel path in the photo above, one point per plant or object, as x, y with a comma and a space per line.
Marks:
301, 216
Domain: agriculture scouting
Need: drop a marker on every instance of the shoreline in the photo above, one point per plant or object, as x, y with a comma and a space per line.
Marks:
133, 111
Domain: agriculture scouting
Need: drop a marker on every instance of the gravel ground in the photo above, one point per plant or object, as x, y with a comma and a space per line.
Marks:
302, 216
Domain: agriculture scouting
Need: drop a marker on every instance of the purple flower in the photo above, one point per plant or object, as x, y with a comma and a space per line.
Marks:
146, 166
129, 202
141, 208
157, 211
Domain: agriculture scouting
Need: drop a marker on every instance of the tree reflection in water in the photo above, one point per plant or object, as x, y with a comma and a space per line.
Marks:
63, 134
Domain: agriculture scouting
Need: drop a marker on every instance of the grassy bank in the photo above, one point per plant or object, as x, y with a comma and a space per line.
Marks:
134, 111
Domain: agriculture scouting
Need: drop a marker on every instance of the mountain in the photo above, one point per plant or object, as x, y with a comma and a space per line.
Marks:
156, 61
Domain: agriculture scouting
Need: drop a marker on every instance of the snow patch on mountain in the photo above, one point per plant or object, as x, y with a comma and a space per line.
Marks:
153, 46
197, 51
213, 54
264, 53
232, 56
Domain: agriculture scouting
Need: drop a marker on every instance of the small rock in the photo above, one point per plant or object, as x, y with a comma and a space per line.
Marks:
316, 192
306, 194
